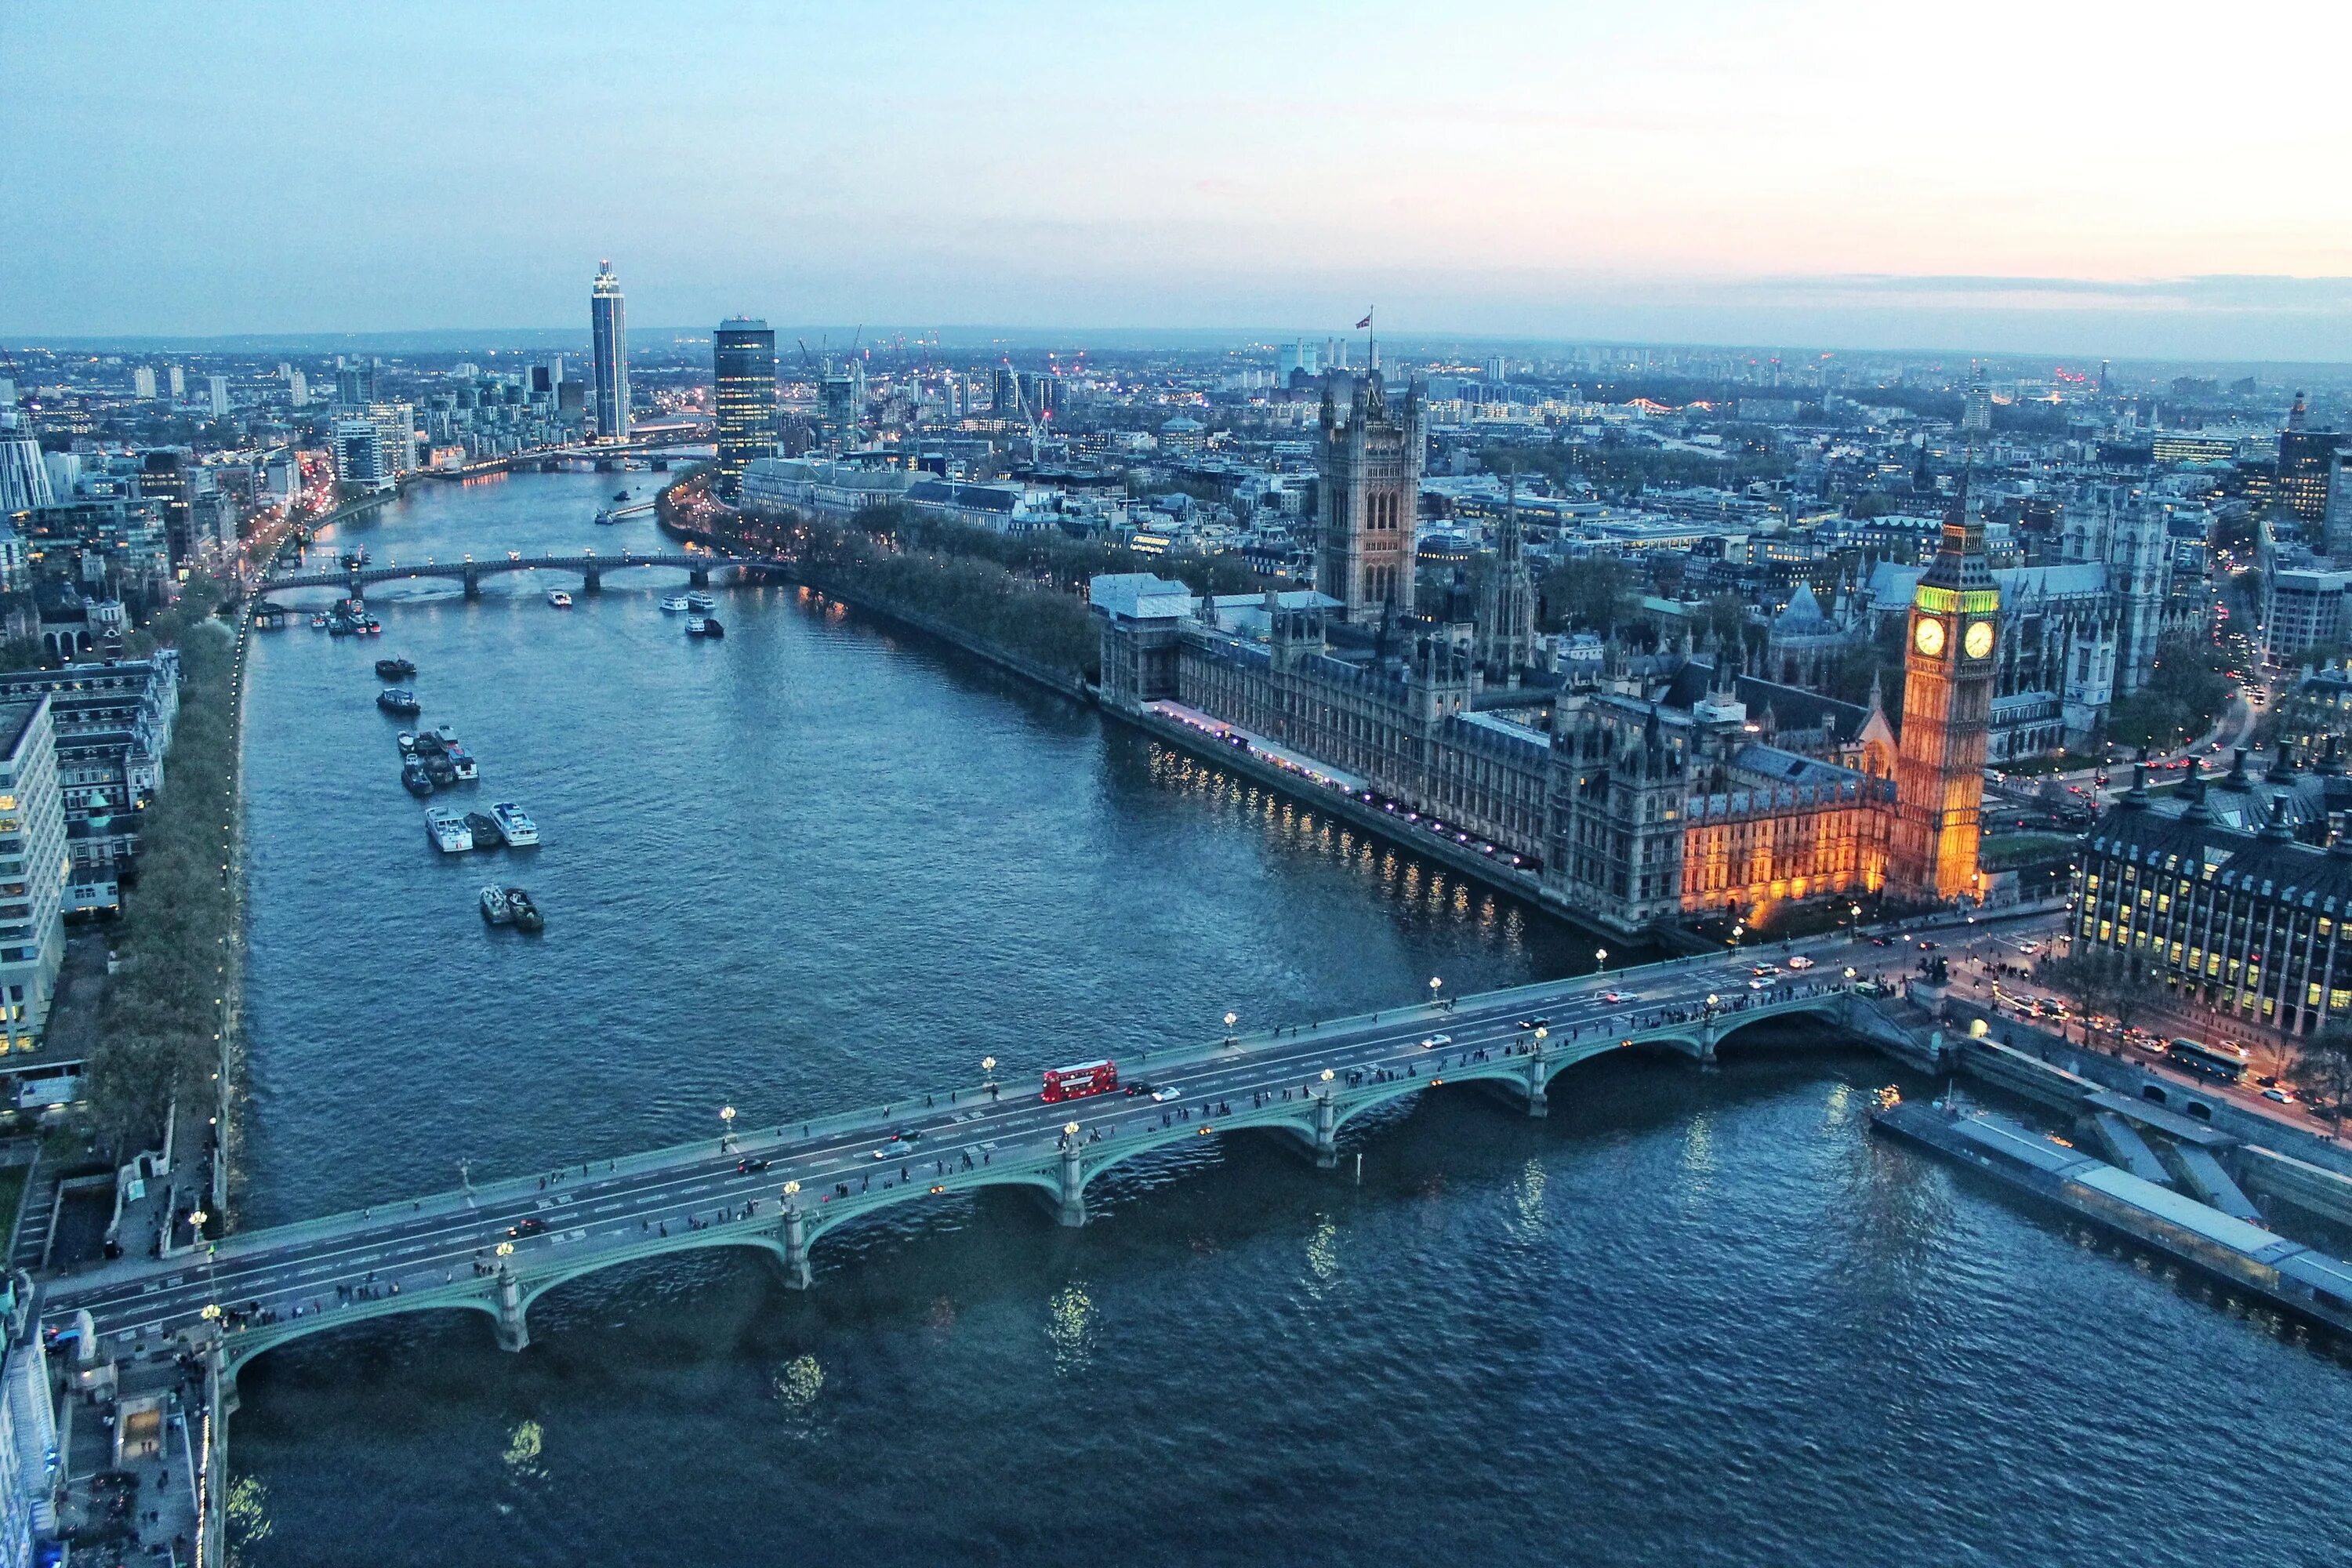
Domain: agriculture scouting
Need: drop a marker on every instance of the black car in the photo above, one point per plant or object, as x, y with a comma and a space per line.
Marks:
752, 1167
1536, 1023
529, 1224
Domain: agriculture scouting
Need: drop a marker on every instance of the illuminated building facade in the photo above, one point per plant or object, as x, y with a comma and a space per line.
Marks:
609, 351
743, 393
1369, 465
1947, 684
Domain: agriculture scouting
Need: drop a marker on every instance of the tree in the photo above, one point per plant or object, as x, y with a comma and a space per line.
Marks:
1596, 595
2118, 988
2323, 1064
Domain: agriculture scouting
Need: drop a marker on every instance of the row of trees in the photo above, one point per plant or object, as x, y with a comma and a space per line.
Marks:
1013, 610
2183, 697
162, 1013
2126, 989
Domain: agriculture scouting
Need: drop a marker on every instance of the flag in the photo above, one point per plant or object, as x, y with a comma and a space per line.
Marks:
1365, 322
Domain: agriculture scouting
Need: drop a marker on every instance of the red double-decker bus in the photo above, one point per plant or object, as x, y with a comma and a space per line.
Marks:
1077, 1082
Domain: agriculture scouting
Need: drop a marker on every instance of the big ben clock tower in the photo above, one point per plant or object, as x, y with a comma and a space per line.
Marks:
1947, 677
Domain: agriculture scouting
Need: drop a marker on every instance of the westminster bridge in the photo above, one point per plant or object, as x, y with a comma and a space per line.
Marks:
590, 564
777, 1188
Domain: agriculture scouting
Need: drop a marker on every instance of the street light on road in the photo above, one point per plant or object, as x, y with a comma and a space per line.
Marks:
1231, 1019
1435, 986
1601, 957
726, 1126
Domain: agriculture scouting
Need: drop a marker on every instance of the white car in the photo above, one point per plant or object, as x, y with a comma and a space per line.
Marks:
1801, 961
1436, 1042
2279, 1095
1166, 1091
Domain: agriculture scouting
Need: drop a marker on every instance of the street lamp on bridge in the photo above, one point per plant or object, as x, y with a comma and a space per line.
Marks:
988, 1065
1600, 959
726, 1126
1435, 986
1231, 1019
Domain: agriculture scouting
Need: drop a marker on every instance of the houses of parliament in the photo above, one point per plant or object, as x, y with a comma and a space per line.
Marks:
1666, 786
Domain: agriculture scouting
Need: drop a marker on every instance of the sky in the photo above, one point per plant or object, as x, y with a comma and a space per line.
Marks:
2135, 180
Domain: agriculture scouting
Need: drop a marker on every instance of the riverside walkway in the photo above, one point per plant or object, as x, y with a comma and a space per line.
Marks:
777, 1187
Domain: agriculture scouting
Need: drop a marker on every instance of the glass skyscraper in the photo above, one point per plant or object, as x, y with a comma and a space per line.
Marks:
743, 382
610, 326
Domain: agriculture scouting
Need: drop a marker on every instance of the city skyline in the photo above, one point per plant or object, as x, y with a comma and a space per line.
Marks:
1819, 174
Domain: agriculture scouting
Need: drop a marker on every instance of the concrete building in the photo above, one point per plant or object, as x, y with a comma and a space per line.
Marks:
216, 388
23, 477
34, 871
111, 727
609, 353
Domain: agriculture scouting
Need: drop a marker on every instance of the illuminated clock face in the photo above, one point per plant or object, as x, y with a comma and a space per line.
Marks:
1930, 637
1978, 642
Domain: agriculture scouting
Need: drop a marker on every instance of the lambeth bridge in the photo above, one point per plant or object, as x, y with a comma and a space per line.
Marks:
779, 1187
697, 564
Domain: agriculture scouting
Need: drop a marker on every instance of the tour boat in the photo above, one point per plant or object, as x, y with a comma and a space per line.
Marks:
413, 778
559, 598
674, 604
495, 908
696, 626
514, 823
395, 668
485, 830
398, 700
695, 599
526, 913
448, 831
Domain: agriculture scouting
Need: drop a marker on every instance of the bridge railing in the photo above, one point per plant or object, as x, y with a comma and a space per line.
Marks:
775, 1133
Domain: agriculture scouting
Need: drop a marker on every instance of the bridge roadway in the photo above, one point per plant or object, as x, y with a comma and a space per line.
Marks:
590, 567
494, 1247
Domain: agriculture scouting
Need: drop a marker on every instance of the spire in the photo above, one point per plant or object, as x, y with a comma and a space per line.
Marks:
1878, 695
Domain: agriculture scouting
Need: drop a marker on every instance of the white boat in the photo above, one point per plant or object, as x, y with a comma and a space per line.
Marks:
695, 599
674, 604
695, 626
449, 831
495, 908
515, 823
559, 598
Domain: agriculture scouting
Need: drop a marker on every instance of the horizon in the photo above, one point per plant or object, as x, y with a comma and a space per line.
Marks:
1738, 174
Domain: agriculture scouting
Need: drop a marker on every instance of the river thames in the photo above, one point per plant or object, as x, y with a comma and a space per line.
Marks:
1690, 1319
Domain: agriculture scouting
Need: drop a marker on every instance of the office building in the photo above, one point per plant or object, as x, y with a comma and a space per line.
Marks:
2306, 463
609, 354
167, 476
743, 395
2335, 520
1371, 462
111, 725
1976, 408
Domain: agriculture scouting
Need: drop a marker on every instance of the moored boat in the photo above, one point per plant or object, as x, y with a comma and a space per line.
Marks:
495, 908
525, 912
406, 742
413, 778
559, 598
485, 830
514, 823
696, 626
398, 700
605, 519
463, 761
674, 604
695, 599
448, 831
440, 768
395, 668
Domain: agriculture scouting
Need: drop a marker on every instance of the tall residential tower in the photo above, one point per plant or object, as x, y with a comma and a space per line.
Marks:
743, 393
609, 324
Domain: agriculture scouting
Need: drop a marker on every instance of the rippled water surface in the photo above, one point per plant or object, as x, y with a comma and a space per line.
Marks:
1688, 1320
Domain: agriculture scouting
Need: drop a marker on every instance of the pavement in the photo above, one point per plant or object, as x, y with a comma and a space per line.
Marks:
563, 1220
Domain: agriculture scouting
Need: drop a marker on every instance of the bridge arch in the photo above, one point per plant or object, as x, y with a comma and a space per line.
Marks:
241, 1347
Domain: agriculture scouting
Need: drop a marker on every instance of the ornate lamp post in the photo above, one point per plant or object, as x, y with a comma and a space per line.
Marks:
988, 1065
1231, 1019
1600, 958
1435, 986
726, 1126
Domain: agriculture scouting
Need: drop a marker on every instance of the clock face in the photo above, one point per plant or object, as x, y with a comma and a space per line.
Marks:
1978, 642
1928, 638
